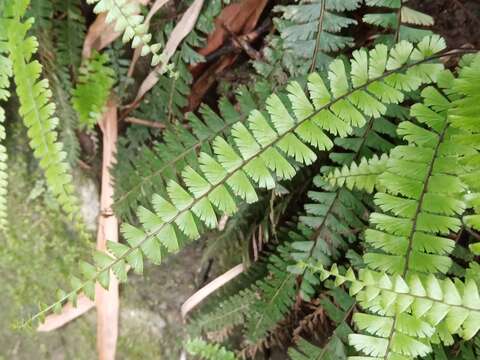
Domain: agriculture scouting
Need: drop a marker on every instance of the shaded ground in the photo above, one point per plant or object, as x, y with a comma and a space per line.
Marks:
456, 20
150, 322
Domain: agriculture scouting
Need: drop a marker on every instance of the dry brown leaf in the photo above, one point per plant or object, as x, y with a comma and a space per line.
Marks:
107, 302
213, 285
238, 19
157, 5
69, 313
100, 34
179, 32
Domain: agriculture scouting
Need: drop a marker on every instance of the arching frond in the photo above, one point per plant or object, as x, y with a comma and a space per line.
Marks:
137, 179
311, 30
408, 314
36, 108
400, 18
130, 22
264, 149
91, 93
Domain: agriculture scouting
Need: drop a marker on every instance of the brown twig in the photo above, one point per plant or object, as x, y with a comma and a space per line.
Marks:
149, 123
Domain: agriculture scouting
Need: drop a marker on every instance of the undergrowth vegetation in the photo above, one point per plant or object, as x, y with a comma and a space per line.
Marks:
339, 166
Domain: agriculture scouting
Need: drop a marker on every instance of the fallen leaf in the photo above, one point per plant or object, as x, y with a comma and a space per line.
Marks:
107, 302
68, 313
237, 19
212, 286
179, 32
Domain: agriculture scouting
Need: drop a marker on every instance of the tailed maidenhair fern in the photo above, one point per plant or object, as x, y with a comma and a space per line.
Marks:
36, 107
311, 30
126, 15
332, 220
421, 309
400, 21
93, 88
422, 202
268, 148
149, 173
257, 308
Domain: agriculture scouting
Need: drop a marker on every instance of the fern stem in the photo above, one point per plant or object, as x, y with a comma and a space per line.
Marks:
313, 65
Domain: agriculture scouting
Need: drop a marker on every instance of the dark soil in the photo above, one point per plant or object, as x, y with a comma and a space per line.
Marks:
456, 20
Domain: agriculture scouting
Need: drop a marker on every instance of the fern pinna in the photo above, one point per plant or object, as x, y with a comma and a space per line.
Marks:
261, 150
35, 106
311, 30
398, 18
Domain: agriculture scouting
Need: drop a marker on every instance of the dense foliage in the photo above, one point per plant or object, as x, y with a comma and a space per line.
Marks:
343, 171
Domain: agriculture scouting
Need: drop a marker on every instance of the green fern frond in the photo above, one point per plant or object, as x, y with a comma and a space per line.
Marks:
338, 311
363, 176
399, 18
91, 93
228, 313
149, 172
312, 30
463, 115
262, 149
275, 295
422, 197
128, 20
69, 33
333, 221
204, 350
35, 107
422, 204
408, 314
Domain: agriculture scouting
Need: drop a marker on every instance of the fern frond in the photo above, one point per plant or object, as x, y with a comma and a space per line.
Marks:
311, 30
408, 313
275, 296
421, 205
129, 21
36, 109
204, 350
149, 172
333, 221
338, 311
399, 18
69, 33
363, 176
264, 148
91, 93
422, 194
464, 115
